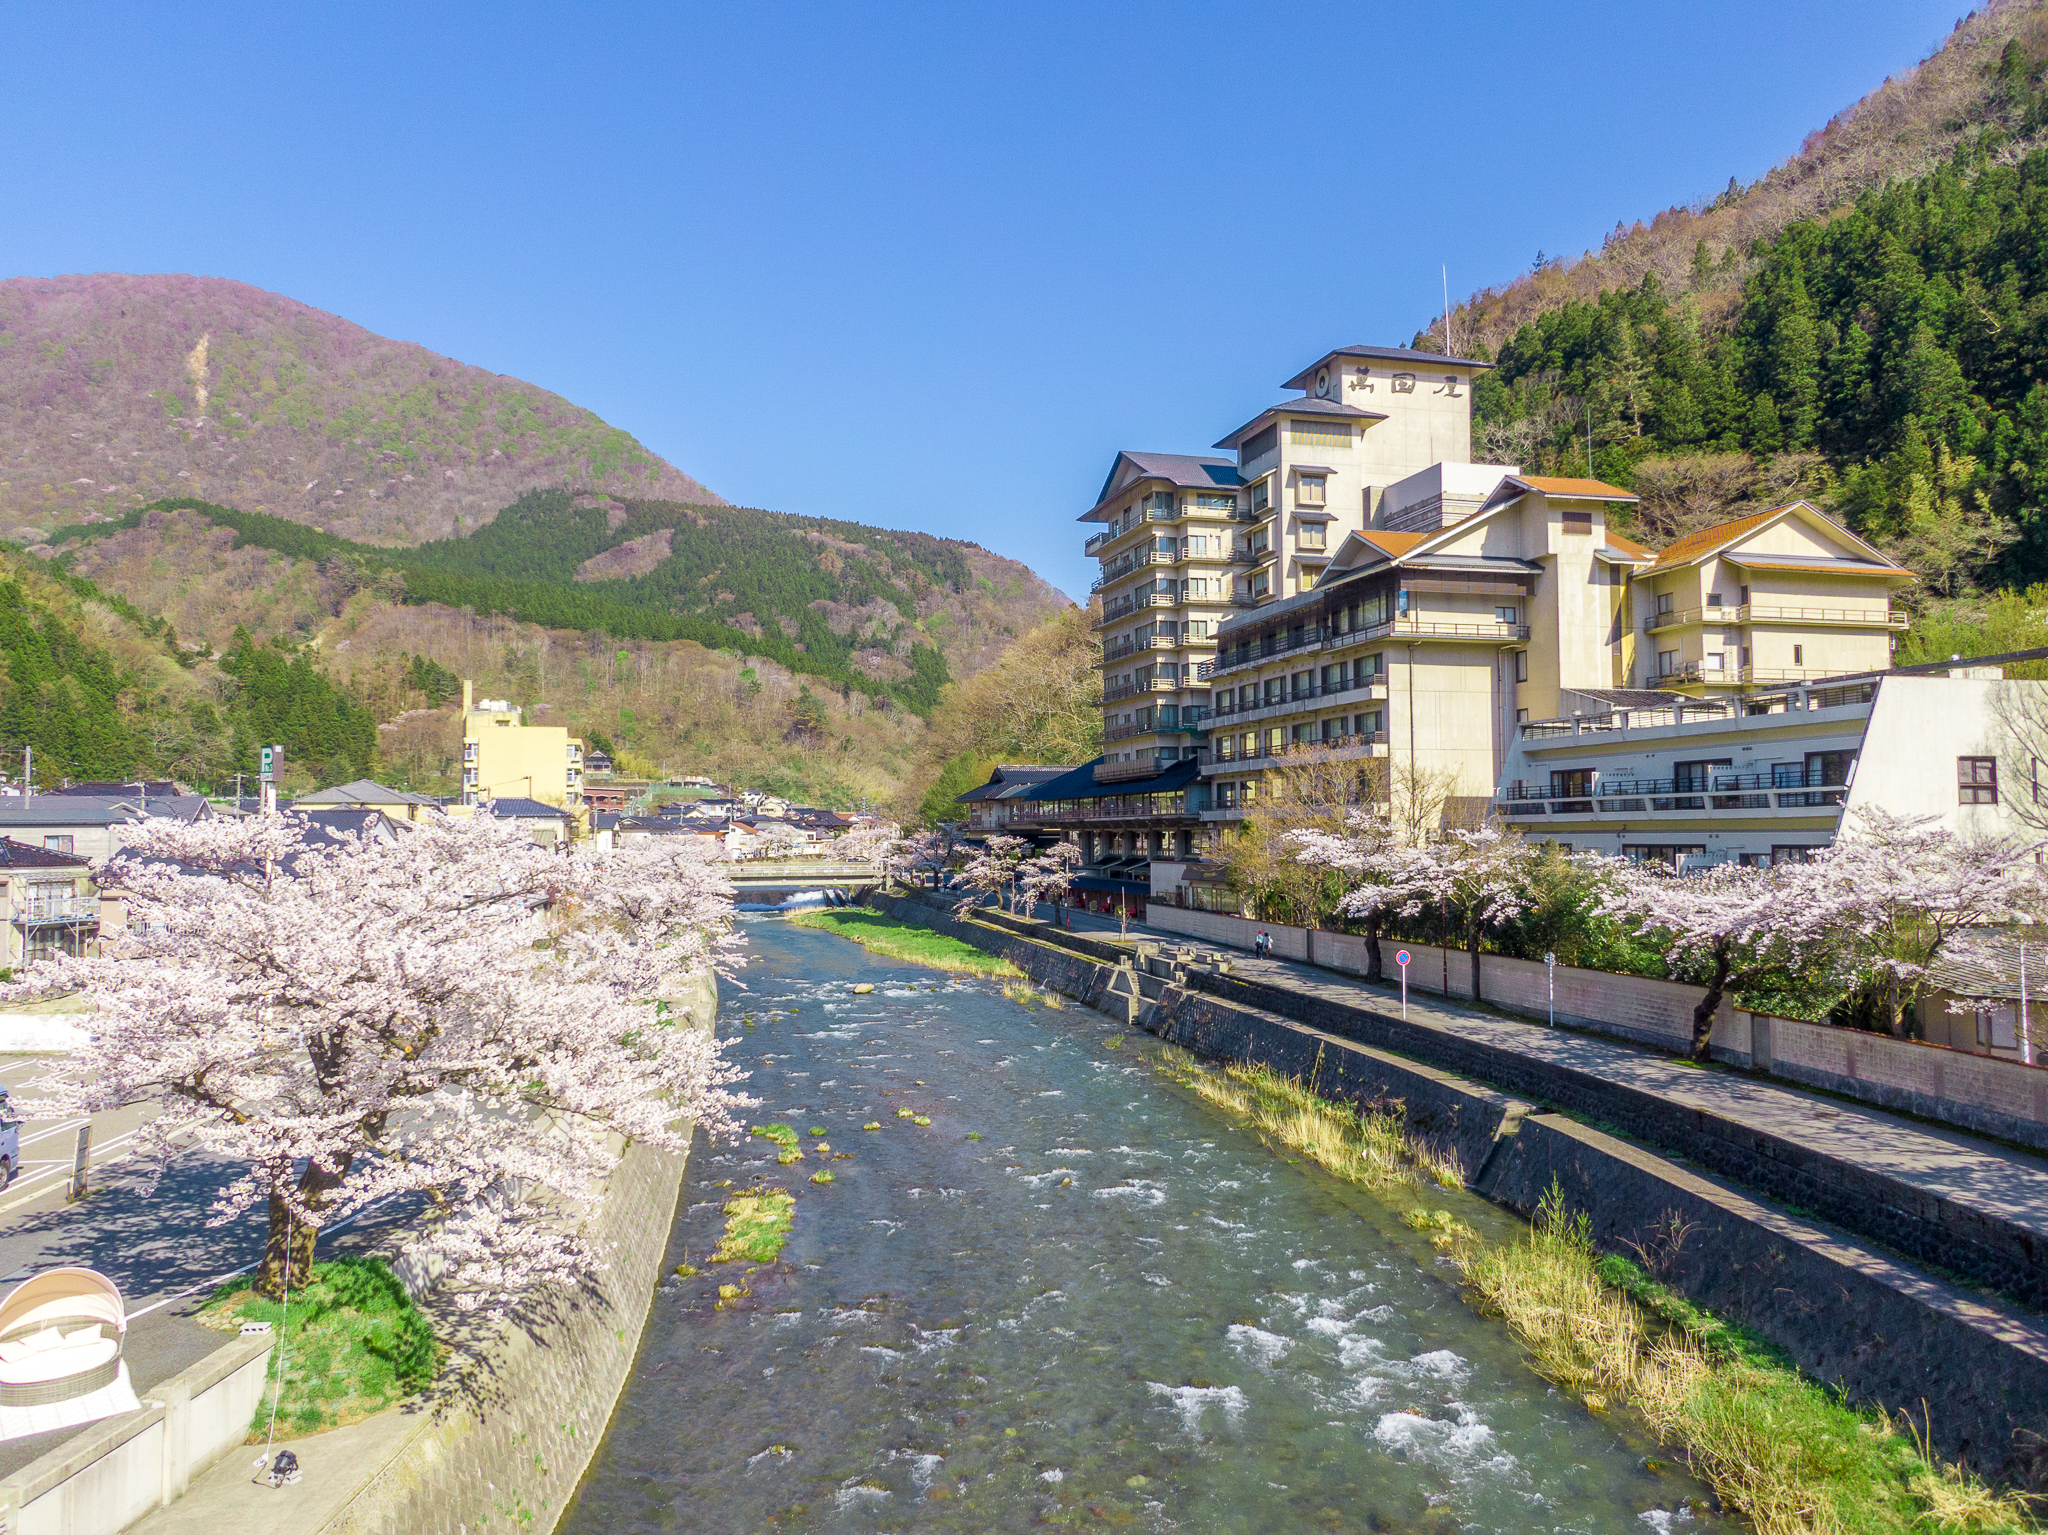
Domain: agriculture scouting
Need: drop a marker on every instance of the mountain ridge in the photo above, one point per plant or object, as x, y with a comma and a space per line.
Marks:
122, 389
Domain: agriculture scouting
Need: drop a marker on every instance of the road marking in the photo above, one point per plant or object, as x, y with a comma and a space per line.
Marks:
69, 1124
100, 1161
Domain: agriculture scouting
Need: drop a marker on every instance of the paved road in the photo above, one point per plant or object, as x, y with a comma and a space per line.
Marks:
2003, 1182
148, 1234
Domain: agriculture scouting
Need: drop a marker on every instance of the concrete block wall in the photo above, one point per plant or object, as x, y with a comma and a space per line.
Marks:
113, 1472
1980, 1092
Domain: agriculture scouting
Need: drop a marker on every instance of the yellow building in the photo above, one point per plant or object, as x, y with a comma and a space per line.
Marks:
505, 758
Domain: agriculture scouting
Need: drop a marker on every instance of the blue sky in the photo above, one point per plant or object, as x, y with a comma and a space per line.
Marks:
917, 266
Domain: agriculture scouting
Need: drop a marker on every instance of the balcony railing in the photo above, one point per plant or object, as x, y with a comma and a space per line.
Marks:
1405, 626
1766, 613
1357, 741
1132, 689
70, 909
1131, 602
1374, 687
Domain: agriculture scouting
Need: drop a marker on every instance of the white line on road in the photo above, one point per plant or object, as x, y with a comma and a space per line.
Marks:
69, 1124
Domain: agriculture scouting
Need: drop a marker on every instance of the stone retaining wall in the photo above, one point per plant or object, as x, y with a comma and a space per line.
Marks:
1844, 1311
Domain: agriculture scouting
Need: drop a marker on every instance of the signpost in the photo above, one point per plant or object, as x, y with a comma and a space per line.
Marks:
81, 1165
1401, 959
1550, 971
272, 761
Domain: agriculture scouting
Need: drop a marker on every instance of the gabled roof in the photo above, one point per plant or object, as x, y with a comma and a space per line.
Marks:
1079, 783
362, 791
1707, 542
1306, 377
1185, 470
163, 789
1008, 780
1306, 407
1514, 485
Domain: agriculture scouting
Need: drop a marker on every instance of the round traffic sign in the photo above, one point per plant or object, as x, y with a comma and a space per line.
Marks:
1401, 957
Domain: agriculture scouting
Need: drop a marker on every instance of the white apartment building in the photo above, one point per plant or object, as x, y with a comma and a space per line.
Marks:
1769, 776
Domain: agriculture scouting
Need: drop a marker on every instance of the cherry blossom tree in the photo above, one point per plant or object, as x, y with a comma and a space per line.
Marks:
1909, 891
866, 844
1046, 877
455, 1013
1739, 925
1482, 875
1384, 876
992, 869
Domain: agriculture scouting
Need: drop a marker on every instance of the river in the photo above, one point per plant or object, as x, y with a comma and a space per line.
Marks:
1114, 1308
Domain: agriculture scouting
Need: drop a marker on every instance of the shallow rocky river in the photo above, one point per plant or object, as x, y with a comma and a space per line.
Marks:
1115, 1308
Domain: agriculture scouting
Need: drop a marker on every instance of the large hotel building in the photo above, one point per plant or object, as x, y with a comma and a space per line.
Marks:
1338, 573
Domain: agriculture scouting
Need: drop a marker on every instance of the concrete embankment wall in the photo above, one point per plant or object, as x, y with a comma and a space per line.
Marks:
1845, 1311
1988, 1094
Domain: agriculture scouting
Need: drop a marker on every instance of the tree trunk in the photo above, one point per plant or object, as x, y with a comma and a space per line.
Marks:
1374, 969
1472, 944
288, 1249
1709, 1005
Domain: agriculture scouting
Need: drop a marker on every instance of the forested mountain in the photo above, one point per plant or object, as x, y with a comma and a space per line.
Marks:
886, 613
1903, 129
1892, 360
116, 390
99, 691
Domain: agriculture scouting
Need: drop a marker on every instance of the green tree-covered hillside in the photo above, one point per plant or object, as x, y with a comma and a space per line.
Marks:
1905, 343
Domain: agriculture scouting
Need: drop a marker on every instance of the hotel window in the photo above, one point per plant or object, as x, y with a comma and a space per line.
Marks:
1249, 746
1260, 587
1798, 655
1276, 740
1372, 724
57, 843
1160, 504
1578, 522
1663, 603
1310, 490
1505, 613
1371, 666
1521, 666
1744, 597
1401, 600
1713, 661
1713, 599
1274, 687
1259, 498
1198, 628
1667, 662
1311, 536
1976, 780
1209, 502
1304, 734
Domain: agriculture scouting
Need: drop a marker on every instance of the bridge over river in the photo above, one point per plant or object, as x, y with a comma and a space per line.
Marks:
758, 877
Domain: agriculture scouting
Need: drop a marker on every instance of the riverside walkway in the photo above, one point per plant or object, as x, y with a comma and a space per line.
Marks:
1883, 1174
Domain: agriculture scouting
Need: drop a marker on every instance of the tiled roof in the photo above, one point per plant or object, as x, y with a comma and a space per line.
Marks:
19, 855
1188, 470
1307, 407
1589, 490
161, 790
1707, 540
1628, 546
1395, 544
362, 791
1303, 379
512, 806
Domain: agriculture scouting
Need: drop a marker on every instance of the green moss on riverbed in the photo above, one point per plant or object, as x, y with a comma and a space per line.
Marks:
901, 940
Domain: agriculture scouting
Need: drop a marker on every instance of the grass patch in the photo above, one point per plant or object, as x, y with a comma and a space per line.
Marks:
1372, 1149
1788, 1453
902, 940
353, 1344
757, 1224
784, 1140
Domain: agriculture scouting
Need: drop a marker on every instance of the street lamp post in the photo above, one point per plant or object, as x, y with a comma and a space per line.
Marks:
1550, 972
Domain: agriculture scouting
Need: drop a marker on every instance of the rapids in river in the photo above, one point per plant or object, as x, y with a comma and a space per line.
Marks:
1115, 1308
